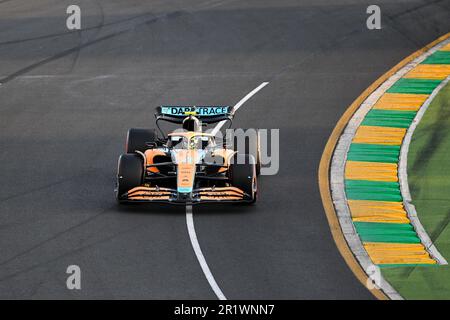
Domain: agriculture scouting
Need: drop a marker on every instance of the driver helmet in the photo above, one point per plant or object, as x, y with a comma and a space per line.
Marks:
192, 123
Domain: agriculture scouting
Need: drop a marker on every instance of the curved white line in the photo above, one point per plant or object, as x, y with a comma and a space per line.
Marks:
190, 216
199, 254
238, 105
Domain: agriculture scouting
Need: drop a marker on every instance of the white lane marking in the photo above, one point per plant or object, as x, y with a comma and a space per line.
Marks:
238, 105
190, 216
199, 254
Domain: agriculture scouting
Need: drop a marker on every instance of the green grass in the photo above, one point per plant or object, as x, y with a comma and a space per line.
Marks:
429, 181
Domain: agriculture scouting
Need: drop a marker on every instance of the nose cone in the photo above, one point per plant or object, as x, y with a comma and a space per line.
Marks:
186, 175
186, 167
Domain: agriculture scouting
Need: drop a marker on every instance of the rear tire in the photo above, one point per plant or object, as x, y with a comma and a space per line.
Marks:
243, 174
129, 173
252, 147
137, 139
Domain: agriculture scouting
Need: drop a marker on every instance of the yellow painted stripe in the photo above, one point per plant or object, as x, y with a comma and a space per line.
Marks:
379, 135
375, 171
429, 71
378, 211
446, 47
398, 253
401, 102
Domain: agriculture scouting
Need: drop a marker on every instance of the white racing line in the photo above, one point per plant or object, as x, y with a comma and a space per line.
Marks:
190, 216
200, 257
238, 105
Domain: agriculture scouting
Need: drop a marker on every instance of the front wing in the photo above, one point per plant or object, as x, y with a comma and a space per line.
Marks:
201, 195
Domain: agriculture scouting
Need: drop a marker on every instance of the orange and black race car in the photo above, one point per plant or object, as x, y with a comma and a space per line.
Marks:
186, 166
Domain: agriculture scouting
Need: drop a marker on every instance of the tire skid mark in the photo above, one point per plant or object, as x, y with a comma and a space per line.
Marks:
60, 34
55, 236
169, 15
416, 8
49, 185
67, 254
57, 56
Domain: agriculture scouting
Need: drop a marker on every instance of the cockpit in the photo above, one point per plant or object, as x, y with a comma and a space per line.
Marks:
189, 141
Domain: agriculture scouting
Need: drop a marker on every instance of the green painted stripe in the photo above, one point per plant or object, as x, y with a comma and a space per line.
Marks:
373, 153
389, 118
381, 227
386, 232
372, 190
417, 86
439, 57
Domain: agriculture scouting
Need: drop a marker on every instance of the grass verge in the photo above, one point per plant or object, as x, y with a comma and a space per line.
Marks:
429, 182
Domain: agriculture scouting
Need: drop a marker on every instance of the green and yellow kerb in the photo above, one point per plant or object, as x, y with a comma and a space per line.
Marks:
371, 172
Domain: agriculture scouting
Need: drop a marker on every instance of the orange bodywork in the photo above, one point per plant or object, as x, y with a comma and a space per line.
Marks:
223, 193
150, 155
186, 160
186, 163
186, 174
148, 193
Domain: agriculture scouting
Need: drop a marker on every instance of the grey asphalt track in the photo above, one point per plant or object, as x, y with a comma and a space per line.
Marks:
67, 99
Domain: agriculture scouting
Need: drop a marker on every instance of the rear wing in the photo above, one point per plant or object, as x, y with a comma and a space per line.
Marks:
206, 114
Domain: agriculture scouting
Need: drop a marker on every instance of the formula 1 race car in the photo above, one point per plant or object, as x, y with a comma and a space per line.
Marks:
186, 166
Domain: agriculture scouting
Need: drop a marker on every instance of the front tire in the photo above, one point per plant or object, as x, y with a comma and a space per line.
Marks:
129, 173
243, 175
252, 147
